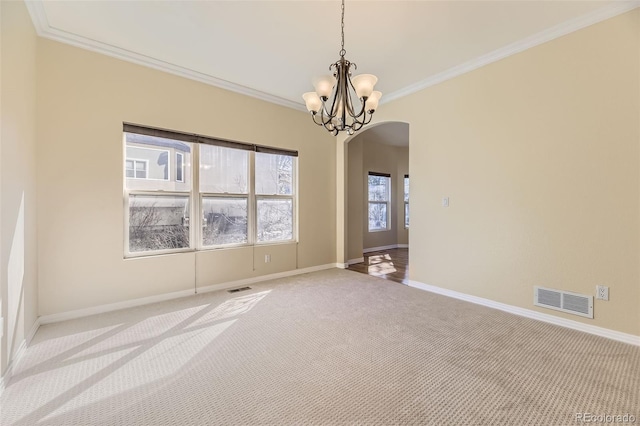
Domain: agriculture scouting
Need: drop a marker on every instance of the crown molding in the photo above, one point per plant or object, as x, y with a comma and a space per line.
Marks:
604, 13
43, 29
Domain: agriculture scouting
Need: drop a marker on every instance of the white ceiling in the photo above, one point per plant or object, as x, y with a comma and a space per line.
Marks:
272, 49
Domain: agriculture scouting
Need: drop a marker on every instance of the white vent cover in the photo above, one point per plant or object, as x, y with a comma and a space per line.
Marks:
565, 301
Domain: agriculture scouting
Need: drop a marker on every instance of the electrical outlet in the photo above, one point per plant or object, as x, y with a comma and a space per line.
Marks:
267, 258
445, 201
602, 292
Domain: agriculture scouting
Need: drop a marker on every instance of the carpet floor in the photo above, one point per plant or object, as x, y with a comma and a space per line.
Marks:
328, 348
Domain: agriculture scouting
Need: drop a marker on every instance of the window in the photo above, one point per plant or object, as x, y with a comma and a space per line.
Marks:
157, 207
224, 194
136, 169
379, 196
406, 201
179, 167
245, 194
274, 196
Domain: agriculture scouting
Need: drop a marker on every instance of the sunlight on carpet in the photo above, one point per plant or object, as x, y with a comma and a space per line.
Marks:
327, 348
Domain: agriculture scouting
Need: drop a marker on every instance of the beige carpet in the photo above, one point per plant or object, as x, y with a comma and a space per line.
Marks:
329, 348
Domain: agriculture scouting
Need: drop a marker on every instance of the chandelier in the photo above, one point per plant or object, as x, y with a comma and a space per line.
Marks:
342, 113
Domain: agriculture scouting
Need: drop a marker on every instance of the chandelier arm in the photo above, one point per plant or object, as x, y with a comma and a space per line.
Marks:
366, 120
324, 113
313, 116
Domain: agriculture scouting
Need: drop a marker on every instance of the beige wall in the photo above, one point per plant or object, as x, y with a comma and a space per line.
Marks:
356, 199
364, 156
83, 98
539, 154
402, 163
18, 291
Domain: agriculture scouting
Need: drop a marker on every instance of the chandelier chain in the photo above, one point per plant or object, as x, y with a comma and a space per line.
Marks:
342, 51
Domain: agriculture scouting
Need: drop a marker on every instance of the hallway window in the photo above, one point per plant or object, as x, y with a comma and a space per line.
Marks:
379, 198
406, 201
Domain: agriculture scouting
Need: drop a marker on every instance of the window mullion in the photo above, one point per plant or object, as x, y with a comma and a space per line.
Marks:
195, 231
252, 219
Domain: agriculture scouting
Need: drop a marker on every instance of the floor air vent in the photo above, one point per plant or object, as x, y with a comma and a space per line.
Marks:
235, 290
565, 301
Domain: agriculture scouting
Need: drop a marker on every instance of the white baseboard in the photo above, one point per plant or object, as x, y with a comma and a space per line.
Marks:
389, 247
528, 313
354, 261
252, 280
80, 313
13, 362
100, 309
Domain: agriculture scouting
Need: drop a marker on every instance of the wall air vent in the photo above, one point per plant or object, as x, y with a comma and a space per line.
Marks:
235, 290
565, 301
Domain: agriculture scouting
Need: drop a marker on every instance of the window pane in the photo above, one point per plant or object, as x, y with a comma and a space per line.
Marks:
406, 215
130, 173
158, 222
224, 221
377, 216
275, 220
274, 174
379, 188
223, 170
179, 167
406, 189
152, 160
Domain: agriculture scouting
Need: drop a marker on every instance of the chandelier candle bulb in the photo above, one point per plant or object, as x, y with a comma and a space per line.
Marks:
372, 101
363, 84
313, 102
324, 85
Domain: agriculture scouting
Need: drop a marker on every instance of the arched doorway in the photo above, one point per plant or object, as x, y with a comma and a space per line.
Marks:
377, 204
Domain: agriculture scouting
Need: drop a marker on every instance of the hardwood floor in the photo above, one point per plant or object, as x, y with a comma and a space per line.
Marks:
391, 265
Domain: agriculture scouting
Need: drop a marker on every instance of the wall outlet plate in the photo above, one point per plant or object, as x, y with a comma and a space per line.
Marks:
602, 292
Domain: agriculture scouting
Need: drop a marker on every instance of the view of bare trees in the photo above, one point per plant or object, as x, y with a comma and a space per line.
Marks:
224, 221
155, 227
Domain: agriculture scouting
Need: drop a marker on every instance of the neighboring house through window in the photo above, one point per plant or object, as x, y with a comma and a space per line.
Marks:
379, 189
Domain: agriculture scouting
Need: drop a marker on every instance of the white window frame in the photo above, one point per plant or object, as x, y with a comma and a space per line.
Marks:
195, 198
202, 195
387, 202
292, 197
